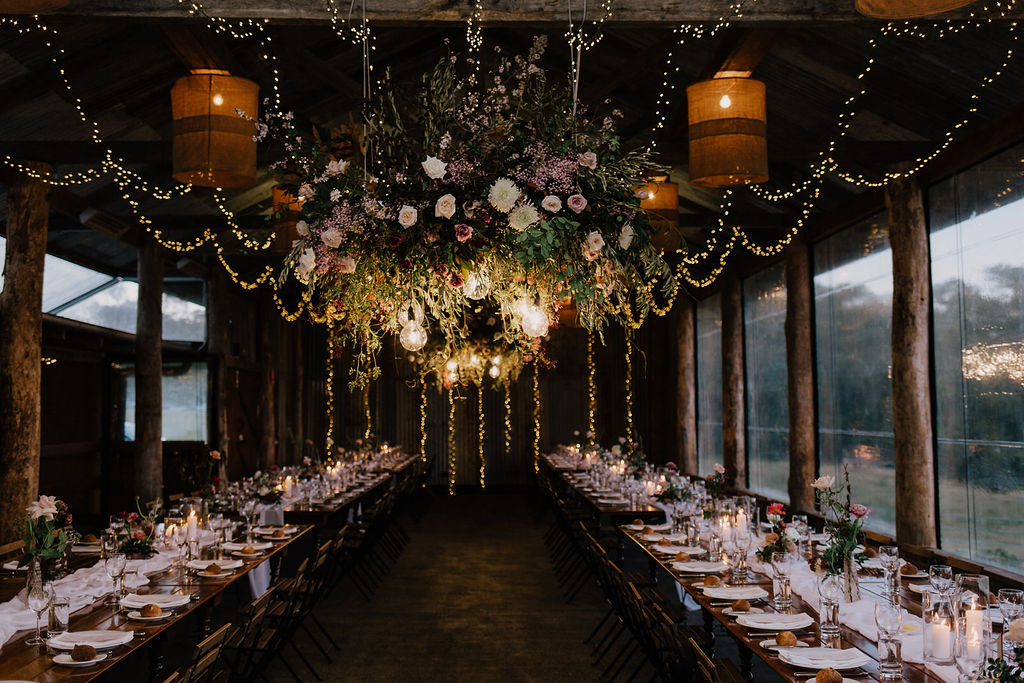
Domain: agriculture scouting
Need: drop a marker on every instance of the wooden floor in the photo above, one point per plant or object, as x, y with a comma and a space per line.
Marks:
472, 598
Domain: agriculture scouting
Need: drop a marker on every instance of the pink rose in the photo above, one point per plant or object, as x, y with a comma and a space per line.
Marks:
589, 160
670, 465
719, 468
858, 510
455, 281
577, 202
138, 534
463, 232
215, 455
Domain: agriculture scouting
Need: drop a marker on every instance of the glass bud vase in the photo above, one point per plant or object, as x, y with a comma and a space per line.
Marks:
851, 583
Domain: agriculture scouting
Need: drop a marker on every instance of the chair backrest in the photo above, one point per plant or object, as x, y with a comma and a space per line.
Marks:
206, 654
175, 677
175, 497
705, 667
12, 548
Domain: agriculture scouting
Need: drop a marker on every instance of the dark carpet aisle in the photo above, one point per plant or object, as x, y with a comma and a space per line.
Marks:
472, 598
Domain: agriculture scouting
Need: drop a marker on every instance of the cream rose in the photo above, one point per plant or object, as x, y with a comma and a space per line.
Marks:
551, 203
595, 242
434, 168
626, 236
347, 264
822, 483
302, 227
407, 216
331, 237
588, 160
445, 207
307, 261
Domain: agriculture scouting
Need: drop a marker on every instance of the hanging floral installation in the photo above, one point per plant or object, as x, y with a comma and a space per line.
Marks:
497, 194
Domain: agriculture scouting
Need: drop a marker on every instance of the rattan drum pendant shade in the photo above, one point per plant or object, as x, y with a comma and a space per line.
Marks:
214, 146
727, 132
907, 9
660, 199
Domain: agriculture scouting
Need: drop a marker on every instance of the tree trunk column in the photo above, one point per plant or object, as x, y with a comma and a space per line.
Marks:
734, 442
149, 461
21, 320
686, 386
218, 333
911, 363
800, 375
268, 433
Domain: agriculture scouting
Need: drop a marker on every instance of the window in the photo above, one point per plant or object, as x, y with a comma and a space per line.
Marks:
709, 382
185, 388
853, 323
977, 237
764, 320
78, 293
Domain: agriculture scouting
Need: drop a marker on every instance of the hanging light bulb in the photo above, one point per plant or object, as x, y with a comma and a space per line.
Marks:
477, 284
413, 337
474, 359
496, 360
535, 323
494, 371
452, 365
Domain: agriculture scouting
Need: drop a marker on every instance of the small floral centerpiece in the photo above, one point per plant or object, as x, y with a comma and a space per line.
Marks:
675, 492
1009, 669
637, 463
844, 521
714, 483
265, 489
141, 534
781, 537
48, 535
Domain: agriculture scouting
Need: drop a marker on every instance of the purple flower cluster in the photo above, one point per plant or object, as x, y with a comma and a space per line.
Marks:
546, 171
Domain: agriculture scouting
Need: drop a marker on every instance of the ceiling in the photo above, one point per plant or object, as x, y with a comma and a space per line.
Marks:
122, 69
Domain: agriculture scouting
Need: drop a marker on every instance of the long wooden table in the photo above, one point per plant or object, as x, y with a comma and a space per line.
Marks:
19, 661
608, 514
661, 565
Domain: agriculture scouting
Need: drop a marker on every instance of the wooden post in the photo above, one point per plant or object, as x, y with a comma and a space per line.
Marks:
219, 337
800, 374
21, 320
911, 363
298, 394
734, 441
686, 385
149, 461
268, 434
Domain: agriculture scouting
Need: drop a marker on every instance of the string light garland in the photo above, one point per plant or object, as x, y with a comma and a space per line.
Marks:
329, 390
481, 433
451, 442
367, 413
508, 422
536, 419
423, 420
591, 391
629, 391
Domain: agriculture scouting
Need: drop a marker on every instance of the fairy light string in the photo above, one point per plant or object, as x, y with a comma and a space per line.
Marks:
536, 419
423, 420
451, 442
591, 391
629, 391
329, 389
481, 434
367, 413
508, 420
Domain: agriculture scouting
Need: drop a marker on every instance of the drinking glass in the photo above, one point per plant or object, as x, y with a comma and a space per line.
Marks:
968, 652
780, 581
800, 523
941, 577
889, 621
939, 627
1011, 606
108, 543
39, 596
889, 556
830, 590
973, 626
741, 540
60, 614
129, 581
180, 538
114, 566
248, 510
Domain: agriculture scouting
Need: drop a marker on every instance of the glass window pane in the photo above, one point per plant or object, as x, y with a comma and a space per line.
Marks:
764, 320
185, 415
978, 294
116, 308
853, 324
709, 382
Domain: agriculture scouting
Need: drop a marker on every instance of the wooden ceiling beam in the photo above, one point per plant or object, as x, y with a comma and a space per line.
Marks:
523, 11
740, 53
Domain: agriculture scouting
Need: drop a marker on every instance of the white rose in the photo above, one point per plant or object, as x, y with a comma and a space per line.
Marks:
822, 483
551, 203
626, 236
434, 168
595, 242
445, 207
616, 449
792, 534
407, 216
347, 264
302, 227
46, 507
503, 195
522, 217
307, 261
331, 237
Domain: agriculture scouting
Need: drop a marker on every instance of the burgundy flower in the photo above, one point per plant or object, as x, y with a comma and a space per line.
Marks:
463, 232
858, 510
455, 281
671, 465
394, 240
405, 264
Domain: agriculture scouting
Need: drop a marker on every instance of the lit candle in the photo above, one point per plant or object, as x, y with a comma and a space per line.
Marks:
288, 486
973, 631
741, 519
193, 525
940, 640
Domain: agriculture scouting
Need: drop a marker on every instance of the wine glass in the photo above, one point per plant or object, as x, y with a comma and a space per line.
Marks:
1011, 606
248, 510
114, 565
180, 537
889, 556
742, 540
39, 596
941, 577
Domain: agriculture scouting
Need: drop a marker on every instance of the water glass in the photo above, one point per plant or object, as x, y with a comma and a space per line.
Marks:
1011, 606
938, 628
129, 581
889, 556
780, 581
60, 615
830, 591
973, 626
114, 566
941, 577
802, 528
889, 621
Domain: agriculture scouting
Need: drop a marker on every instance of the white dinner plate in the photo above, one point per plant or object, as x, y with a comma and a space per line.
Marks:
164, 600
101, 640
138, 616
699, 567
775, 622
824, 657
729, 611
775, 647
258, 546
655, 527
201, 565
65, 660
736, 592
12, 566
251, 556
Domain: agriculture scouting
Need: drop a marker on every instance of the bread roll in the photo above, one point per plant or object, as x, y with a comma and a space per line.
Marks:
741, 605
908, 569
151, 610
682, 557
278, 533
83, 653
828, 676
213, 568
248, 550
786, 639
712, 581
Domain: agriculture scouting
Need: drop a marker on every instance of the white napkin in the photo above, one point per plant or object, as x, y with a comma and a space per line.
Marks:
201, 565
700, 567
822, 657
774, 620
101, 640
673, 549
655, 527
136, 601
735, 592
288, 530
257, 545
